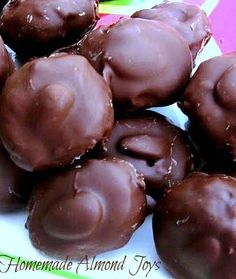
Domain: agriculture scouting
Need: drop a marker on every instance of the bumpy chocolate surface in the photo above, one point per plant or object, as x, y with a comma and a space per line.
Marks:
194, 227
210, 103
53, 110
191, 22
14, 186
154, 146
36, 27
146, 63
6, 65
88, 210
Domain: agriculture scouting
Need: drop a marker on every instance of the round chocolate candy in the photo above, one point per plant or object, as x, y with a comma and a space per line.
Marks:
146, 63
14, 184
189, 20
53, 110
88, 210
6, 66
194, 227
156, 148
36, 27
210, 103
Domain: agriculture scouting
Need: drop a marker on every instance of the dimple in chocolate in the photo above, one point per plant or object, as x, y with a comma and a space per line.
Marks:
146, 63
53, 110
154, 146
88, 210
209, 102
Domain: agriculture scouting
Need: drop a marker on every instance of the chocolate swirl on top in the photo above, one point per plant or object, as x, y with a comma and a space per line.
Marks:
88, 210
53, 110
210, 103
189, 20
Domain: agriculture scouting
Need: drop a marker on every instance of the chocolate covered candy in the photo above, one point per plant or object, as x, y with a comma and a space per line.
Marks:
14, 184
156, 148
36, 27
53, 110
210, 103
6, 65
189, 20
92, 46
88, 210
194, 227
146, 63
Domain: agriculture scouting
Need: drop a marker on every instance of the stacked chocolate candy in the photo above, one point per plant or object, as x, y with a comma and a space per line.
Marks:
76, 127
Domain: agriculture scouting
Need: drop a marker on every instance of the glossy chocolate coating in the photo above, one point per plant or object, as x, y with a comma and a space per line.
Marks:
146, 63
189, 20
194, 227
53, 110
88, 210
36, 27
14, 184
155, 147
6, 65
210, 103
92, 46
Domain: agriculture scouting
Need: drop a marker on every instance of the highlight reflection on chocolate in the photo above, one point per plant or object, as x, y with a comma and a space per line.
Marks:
86, 211
59, 108
146, 63
6, 66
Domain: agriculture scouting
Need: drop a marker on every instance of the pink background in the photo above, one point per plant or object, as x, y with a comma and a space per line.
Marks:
223, 20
